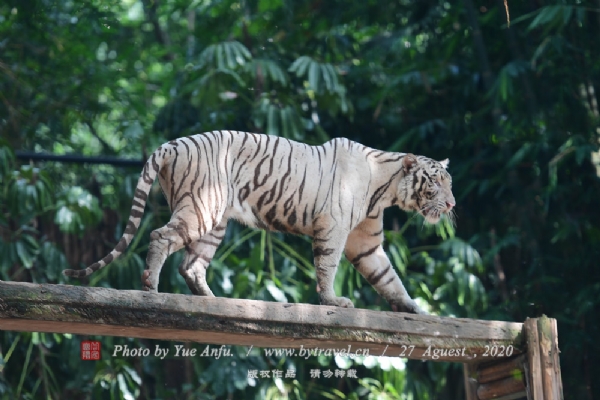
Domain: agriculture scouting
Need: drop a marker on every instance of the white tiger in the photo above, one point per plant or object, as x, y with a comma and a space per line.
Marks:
335, 193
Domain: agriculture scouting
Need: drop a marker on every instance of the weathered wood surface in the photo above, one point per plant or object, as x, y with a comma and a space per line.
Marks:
502, 379
131, 313
535, 389
470, 377
490, 372
549, 360
543, 368
508, 388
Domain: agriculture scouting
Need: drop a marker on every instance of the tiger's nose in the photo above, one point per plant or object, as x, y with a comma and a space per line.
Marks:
449, 205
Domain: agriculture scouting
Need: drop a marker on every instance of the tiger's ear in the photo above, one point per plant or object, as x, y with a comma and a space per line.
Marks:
445, 163
409, 161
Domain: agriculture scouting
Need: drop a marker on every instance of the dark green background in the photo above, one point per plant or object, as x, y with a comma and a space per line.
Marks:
515, 108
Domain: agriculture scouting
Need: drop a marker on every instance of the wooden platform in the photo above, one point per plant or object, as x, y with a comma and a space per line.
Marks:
498, 364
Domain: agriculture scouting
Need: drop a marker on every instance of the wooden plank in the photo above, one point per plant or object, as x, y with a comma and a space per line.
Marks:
535, 388
502, 379
548, 342
131, 313
490, 372
503, 388
514, 396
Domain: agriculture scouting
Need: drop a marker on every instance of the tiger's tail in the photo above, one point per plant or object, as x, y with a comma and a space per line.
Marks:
147, 177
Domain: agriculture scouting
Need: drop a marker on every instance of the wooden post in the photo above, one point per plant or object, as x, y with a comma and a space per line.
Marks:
535, 390
549, 358
470, 374
543, 375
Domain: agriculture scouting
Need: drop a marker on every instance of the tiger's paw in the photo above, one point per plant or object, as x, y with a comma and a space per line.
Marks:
407, 306
337, 301
146, 284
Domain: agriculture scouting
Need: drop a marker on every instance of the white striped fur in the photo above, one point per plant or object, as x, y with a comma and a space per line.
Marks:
335, 193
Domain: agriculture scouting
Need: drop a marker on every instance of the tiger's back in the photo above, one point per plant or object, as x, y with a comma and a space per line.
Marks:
264, 181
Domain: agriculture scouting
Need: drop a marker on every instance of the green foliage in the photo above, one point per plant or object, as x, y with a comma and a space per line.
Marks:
515, 109
6, 161
28, 191
228, 55
77, 210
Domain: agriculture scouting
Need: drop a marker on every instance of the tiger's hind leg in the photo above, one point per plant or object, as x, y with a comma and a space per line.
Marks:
164, 242
364, 251
197, 259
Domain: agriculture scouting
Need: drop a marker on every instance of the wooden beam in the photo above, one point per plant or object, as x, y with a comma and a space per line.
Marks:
132, 313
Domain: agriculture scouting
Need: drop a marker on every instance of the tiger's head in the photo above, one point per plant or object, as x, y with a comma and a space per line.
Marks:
426, 188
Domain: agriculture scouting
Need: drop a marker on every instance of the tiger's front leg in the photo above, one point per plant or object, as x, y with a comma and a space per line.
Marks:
328, 244
364, 251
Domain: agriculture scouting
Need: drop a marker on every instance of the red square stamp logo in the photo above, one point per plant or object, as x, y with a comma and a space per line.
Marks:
90, 350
